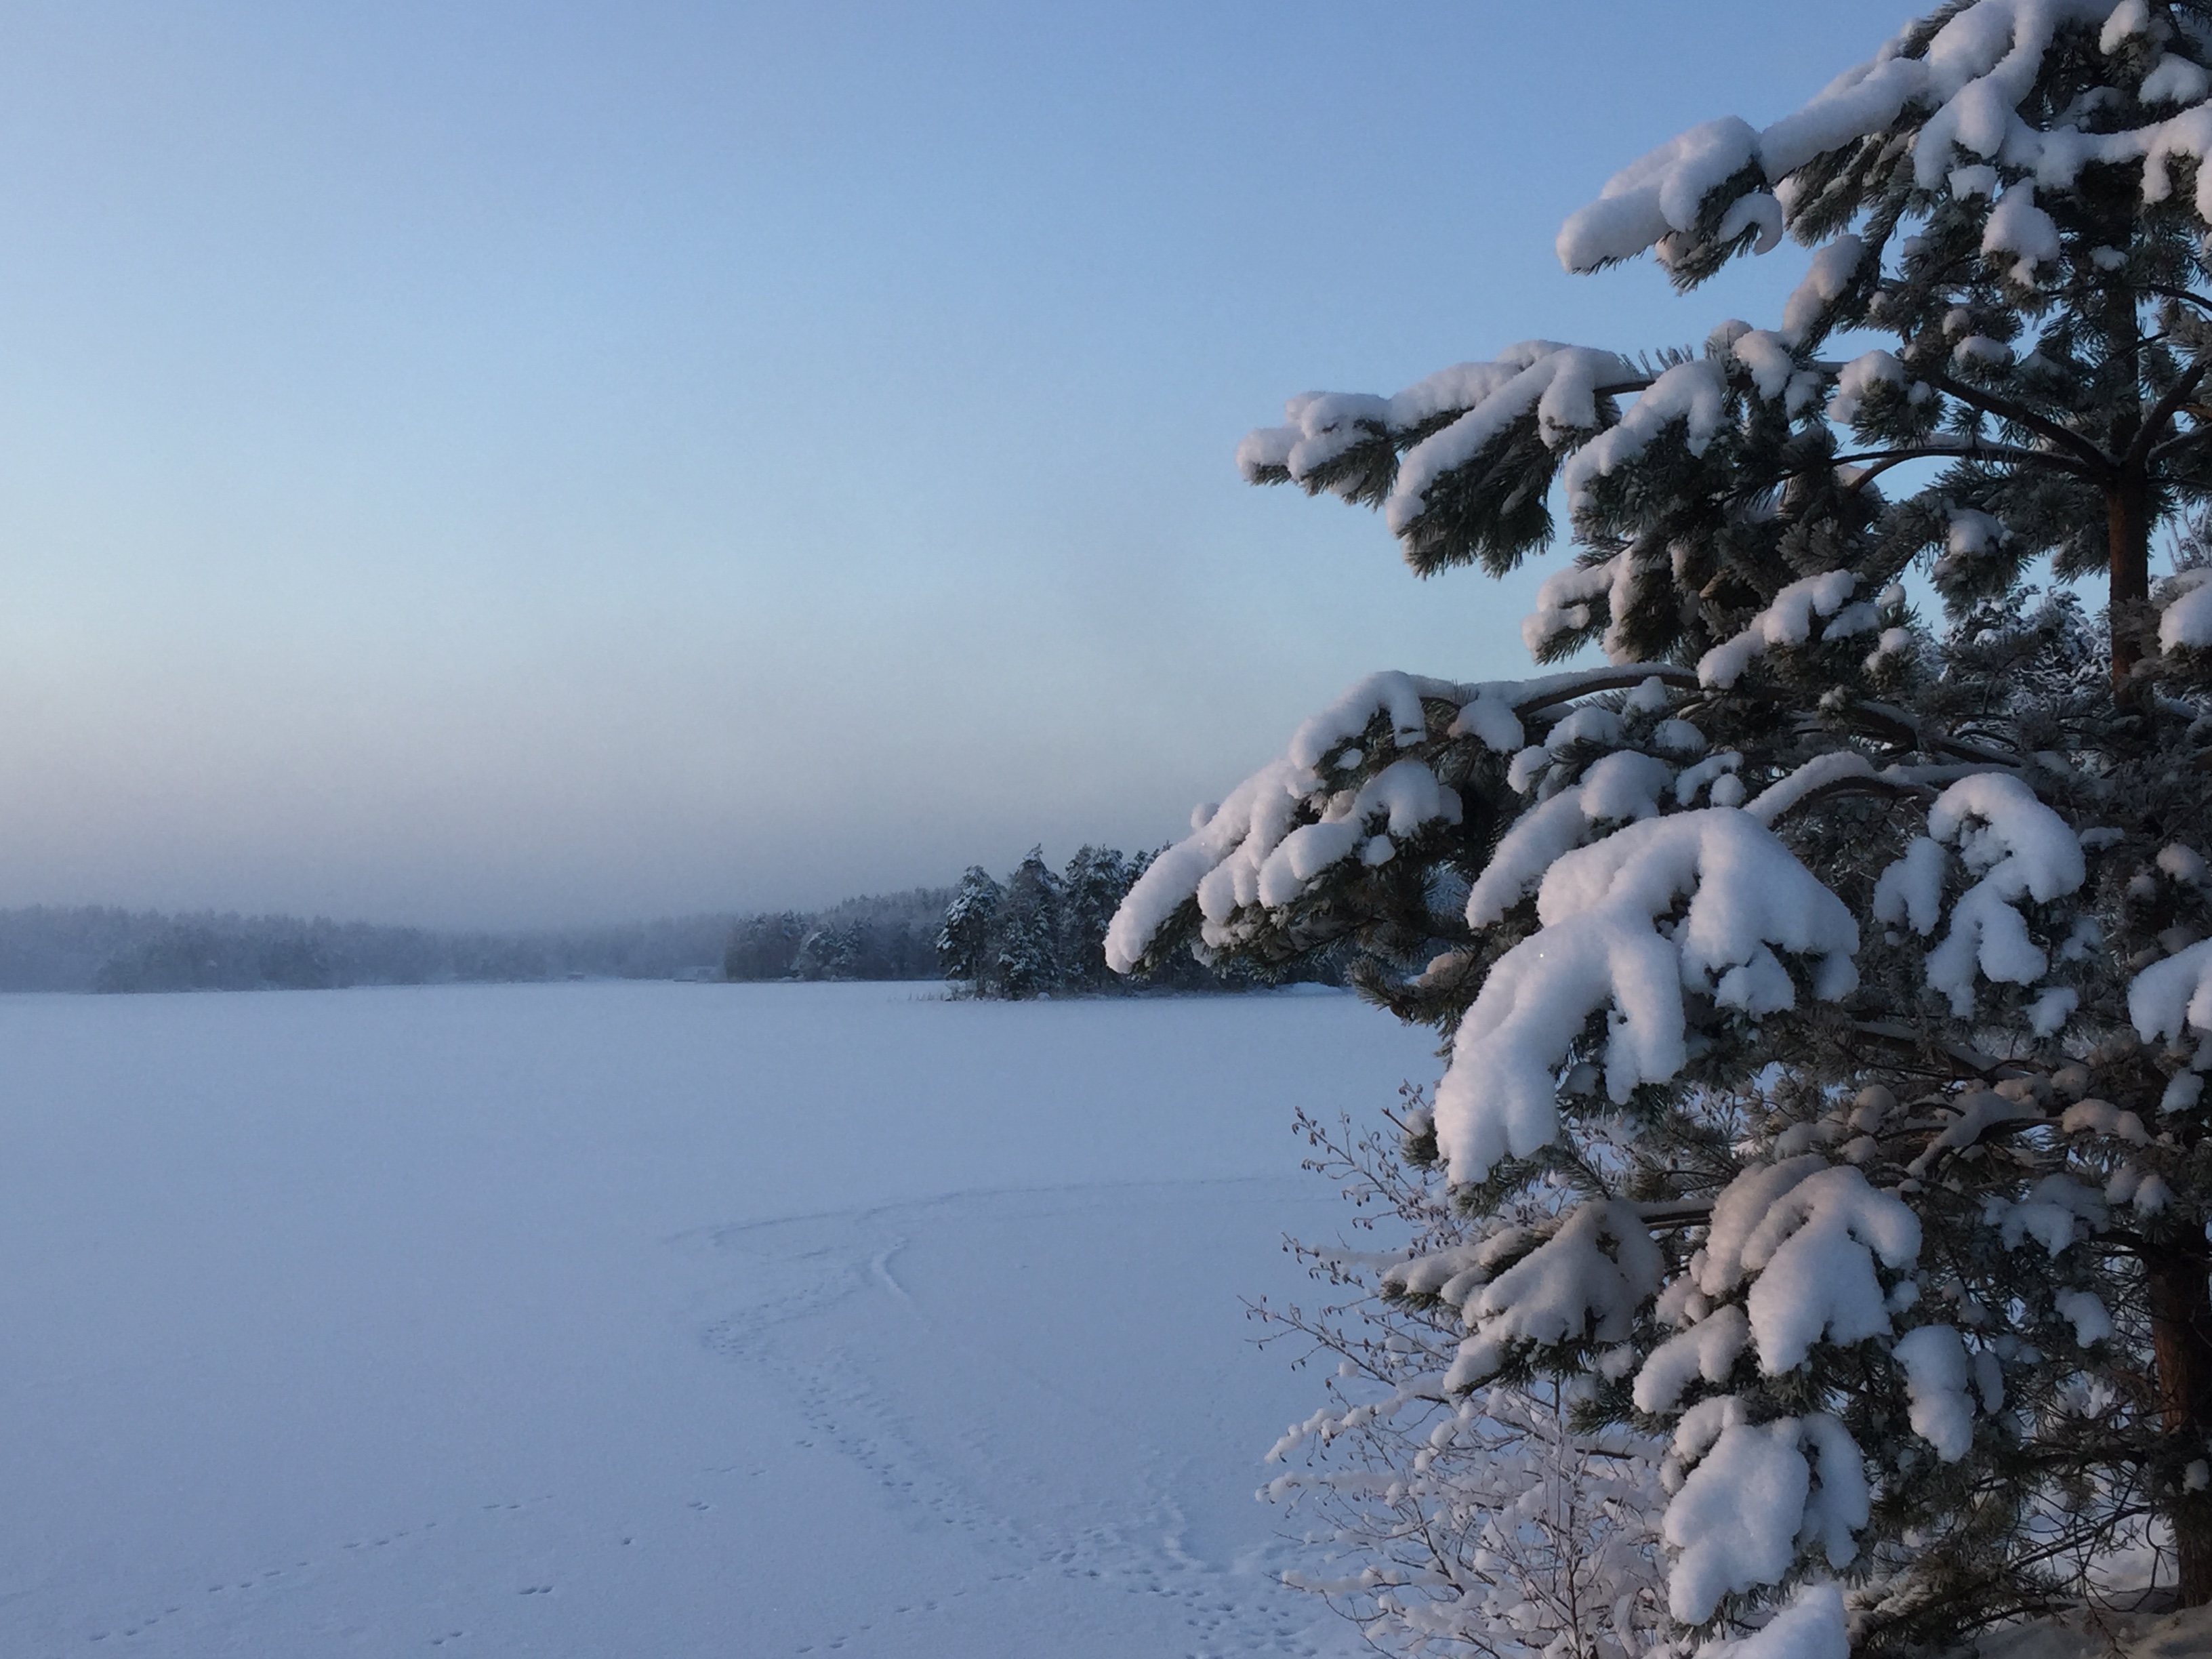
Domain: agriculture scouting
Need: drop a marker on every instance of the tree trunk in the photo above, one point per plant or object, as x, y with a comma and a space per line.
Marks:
2127, 538
2180, 1292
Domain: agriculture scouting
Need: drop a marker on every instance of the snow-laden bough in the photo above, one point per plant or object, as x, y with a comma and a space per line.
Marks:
1599, 948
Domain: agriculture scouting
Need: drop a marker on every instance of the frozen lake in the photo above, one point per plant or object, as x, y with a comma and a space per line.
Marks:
655, 1319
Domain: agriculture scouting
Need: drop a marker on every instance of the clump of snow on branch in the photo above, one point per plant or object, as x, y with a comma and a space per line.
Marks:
1560, 384
1812, 1626
2170, 998
1827, 279
1601, 949
1807, 1234
2048, 1214
1812, 1253
1658, 193
1909, 891
1937, 1371
2023, 850
1694, 393
1787, 621
1741, 1516
2017, 226
1568, 1288
1859, 379
2185, 621
1822, 772
2087, 1313
1622, 786
1251, 849
1708, 1350
1399, 696
1562, 602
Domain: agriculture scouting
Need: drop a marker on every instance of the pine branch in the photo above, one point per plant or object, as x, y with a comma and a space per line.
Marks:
2005, 408
2164, 409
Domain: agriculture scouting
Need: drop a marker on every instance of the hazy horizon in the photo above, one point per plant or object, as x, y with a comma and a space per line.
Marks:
527, 467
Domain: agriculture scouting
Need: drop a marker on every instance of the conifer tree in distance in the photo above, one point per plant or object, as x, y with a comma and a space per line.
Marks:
1025, 943
1828, 984
963, 943
1090, 889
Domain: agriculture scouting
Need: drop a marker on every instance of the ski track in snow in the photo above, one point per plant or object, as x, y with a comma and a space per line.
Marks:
853, 1345
655, 1320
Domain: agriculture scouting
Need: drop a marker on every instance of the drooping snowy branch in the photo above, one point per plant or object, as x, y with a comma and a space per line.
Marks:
1970, 77
1569, 1289
1601, 949
1283, 826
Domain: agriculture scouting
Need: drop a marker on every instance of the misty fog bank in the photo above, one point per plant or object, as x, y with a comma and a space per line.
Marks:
103, 948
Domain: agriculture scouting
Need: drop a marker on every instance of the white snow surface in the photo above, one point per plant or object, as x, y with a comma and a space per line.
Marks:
585, 1320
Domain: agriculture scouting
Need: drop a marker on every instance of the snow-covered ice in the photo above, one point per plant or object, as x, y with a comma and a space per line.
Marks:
648, 1318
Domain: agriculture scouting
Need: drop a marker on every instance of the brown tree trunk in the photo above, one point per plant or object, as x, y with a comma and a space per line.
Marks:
2127, 538
2180, 1292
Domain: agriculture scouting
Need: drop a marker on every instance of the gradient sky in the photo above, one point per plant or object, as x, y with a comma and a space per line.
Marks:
502, 464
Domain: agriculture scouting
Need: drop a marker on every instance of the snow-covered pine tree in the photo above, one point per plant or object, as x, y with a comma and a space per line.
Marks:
1826, 985
831, 952
963, 943
764, 946
1090, 889
1026, 938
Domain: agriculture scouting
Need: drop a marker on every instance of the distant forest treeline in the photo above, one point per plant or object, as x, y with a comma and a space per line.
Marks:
891, 936
99, 948
1039, 933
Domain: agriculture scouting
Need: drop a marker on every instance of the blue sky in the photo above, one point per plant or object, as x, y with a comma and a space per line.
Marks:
502, 464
